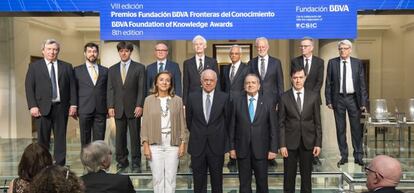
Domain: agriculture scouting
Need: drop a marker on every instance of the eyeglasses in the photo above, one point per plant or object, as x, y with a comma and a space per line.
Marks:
159, 50
304, 46
367, 169
344, 48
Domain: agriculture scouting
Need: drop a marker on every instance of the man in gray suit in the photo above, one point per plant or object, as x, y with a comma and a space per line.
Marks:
91, 80
126, 91
345, 90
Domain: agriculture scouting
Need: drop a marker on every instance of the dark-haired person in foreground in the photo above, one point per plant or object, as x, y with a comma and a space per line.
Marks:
96, 159
91, 80
300, 129
126, 93
35, 157
56, 179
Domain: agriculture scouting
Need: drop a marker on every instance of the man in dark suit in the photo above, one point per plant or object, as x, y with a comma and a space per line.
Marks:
96, 158
269, 69
314, 69
51, 97
300, 131
162, 64
232, 80
126, 91
253, 135
195, 65
91, 80
383, 174
345, 91
207, 118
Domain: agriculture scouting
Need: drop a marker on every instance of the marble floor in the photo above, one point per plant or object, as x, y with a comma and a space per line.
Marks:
326, 177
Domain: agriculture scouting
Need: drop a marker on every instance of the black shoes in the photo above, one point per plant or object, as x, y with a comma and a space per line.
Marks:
316, 161
342, 161
231, 165
121, 167
359, 162
136, 168
272, 163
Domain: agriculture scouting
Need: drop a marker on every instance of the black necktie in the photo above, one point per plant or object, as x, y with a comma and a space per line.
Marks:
53, 79
200, 66
344, 78
306, 66
299, 102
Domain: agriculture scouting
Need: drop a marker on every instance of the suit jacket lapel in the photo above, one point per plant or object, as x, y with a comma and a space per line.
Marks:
201, 107
236, 76
87, 76
45, 71
354, 71
60, 70
259, 108
338, 69
292, 97
131, 68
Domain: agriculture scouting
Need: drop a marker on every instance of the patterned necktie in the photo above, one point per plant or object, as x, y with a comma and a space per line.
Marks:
161, 68
123, 72
53, 79
200, 66
262, 68
232, 72
344, 78
306, 66
299, 102
251, 109
208, 107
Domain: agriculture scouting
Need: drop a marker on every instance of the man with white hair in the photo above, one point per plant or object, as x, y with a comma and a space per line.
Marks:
207, 116
195, 65
96, 158
383, 174
345, 90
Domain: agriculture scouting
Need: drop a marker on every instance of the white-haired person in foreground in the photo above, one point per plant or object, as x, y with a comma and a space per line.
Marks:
383, 174
96, 158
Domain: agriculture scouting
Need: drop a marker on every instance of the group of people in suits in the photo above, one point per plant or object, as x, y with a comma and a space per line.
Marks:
244, 110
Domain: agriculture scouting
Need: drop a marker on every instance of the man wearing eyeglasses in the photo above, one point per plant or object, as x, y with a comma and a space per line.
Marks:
383, 174
163, 64
313, 67
345, 90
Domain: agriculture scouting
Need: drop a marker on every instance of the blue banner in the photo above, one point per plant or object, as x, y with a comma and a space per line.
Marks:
48, 5
218, 19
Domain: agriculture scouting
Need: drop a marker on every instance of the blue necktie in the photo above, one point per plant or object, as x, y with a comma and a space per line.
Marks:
53, 79
251, 109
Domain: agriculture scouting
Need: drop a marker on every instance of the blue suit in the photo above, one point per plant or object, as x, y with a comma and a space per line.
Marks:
170, 66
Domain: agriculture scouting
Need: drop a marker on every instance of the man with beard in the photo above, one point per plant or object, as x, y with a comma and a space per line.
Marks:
91, 80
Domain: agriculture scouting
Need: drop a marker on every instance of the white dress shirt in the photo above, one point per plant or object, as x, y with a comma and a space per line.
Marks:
309, 63
127, 63
198, 61
161, 61
236, 67
349, 80
90, 71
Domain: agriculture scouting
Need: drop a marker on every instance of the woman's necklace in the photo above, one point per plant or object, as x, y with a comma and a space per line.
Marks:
164, 112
